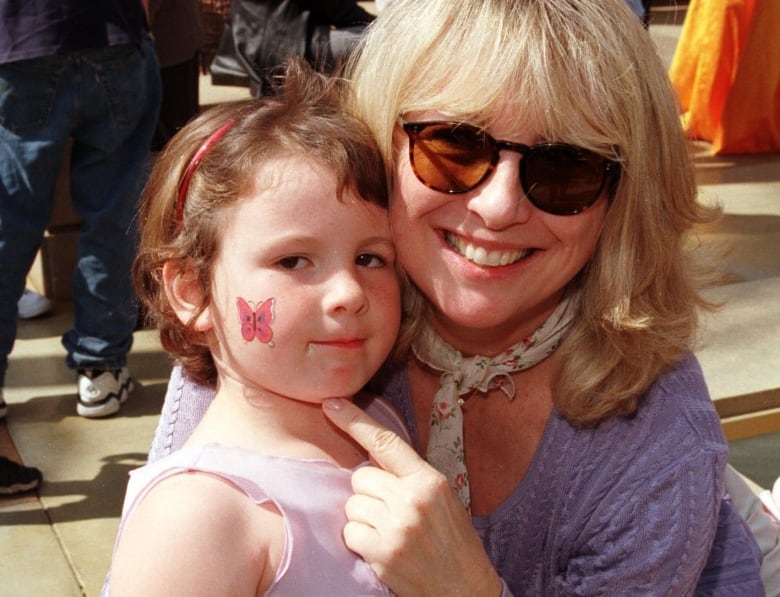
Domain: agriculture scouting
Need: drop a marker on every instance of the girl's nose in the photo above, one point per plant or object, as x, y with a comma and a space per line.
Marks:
345, 293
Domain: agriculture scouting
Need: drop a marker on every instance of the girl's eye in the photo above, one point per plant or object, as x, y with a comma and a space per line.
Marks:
292, 262
370, 260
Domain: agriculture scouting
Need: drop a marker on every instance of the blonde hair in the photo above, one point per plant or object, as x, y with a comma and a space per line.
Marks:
306, 118
583, 72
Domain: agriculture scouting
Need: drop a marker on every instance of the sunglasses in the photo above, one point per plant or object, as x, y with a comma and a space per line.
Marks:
453, 157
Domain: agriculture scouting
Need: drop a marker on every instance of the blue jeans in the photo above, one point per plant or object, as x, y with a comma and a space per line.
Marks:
107, 101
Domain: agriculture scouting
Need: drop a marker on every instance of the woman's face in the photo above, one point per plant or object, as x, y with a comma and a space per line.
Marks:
447, 244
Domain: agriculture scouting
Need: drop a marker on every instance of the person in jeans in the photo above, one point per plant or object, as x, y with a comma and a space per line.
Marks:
84, 71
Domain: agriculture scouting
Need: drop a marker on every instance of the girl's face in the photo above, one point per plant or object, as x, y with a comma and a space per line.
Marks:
305, 299
447, 244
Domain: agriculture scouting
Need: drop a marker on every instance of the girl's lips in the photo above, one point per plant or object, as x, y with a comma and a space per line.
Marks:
346, 343
482, 256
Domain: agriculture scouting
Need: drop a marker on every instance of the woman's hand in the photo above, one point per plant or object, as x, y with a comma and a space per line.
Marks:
404, 519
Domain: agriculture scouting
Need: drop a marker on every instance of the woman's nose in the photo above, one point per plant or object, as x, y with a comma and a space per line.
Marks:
500, 201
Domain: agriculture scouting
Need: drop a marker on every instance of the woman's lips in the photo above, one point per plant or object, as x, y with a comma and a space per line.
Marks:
482, 256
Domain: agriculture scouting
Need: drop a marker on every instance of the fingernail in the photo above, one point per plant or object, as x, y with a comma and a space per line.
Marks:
332, 404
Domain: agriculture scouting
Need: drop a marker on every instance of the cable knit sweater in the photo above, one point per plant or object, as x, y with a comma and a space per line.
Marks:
634, 507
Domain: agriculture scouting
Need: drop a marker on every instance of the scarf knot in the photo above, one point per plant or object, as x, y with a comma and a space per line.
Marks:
462, 377
477, 375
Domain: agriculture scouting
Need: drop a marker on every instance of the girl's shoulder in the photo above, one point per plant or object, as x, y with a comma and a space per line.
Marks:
187, 517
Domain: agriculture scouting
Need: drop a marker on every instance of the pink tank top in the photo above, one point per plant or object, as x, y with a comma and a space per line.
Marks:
310, 494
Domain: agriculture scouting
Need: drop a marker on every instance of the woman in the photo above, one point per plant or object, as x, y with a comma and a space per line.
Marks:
583, 444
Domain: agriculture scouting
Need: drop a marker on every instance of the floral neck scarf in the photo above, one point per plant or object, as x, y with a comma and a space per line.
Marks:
464, 376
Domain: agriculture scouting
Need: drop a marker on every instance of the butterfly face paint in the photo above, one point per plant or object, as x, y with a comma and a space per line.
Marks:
256, 322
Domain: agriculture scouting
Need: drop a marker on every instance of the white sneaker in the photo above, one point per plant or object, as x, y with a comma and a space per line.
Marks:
102, 392
3, 406
32, 304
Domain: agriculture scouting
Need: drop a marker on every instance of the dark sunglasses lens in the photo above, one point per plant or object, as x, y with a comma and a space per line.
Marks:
562, 179
450, 158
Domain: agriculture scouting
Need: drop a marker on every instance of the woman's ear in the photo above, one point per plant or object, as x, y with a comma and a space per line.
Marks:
182, 287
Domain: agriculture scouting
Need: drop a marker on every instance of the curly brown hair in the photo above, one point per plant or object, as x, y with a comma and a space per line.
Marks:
305, 117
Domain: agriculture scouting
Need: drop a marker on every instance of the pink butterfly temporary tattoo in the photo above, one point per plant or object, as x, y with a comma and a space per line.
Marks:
256, 323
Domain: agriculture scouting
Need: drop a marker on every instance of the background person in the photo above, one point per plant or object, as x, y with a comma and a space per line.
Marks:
179, 34
260, 35
84, 71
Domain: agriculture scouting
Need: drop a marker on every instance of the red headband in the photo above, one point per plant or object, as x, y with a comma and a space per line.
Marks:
193, 165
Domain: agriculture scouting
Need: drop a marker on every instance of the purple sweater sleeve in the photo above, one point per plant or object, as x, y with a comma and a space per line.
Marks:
185, 404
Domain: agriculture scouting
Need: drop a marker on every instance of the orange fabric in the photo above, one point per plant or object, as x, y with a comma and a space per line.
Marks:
726, 72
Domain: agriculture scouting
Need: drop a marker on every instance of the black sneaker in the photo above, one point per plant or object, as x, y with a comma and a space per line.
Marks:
16, 478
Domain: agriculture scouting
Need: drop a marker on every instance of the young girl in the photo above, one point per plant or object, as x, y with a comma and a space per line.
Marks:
267, 262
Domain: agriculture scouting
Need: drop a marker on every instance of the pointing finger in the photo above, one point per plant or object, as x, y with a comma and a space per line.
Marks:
386, 448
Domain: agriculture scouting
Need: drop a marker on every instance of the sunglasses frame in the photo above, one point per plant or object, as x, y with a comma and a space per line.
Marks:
611, 167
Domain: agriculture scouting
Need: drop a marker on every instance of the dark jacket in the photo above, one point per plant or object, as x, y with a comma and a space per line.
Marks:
261, 34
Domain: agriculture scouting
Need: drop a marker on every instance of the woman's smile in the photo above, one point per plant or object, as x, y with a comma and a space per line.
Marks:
481, 255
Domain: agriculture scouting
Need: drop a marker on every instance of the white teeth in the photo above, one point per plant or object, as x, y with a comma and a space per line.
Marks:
482, 256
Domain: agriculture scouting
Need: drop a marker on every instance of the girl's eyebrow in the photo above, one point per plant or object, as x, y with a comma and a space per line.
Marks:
379, 239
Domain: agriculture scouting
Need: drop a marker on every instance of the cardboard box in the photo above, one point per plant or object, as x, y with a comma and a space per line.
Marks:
63, 215
53, 269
